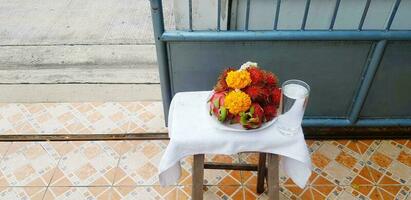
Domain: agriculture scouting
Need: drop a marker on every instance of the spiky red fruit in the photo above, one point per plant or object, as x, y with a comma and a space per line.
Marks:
256, 93
276, 96
270, 111
271, 79
221, 84
257, 75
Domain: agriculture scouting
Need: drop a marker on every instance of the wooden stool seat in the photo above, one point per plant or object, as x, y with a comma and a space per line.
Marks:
267, 168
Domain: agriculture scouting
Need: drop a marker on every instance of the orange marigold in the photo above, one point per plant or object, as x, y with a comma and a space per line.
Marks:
237, 101
238, 79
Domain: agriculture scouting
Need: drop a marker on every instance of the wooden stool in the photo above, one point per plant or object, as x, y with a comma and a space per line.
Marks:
267, 168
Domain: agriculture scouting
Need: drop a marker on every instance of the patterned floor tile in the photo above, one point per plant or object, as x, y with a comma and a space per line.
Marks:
214, 192
88, 164
28, 164
33, 193
250, 177
138, 165
4, 146
392, 159
74, 193
212, 177
149, 193
186, 171
338, 162
82, 118
376, 192
222, 177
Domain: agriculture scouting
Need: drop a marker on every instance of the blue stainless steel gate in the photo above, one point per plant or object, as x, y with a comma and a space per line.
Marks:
369, 69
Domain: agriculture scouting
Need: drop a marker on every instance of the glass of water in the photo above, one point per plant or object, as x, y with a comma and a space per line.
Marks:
294, 101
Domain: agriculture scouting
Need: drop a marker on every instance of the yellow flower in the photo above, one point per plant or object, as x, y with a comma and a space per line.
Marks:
237, 101
238, 79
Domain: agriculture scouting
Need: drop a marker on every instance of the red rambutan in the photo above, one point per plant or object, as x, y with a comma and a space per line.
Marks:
256, 93
276, 96
271, 79
270, 111
257, 75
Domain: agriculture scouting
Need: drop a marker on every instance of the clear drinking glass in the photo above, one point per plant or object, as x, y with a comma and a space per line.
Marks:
294, 100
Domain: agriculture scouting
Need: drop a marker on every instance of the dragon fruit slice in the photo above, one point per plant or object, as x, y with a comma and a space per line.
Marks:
217, 106
253, 118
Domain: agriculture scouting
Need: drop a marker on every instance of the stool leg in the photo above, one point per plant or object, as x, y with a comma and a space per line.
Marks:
198, 176
261, 172
273, 177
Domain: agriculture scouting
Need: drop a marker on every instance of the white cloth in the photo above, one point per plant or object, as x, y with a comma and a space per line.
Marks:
191, 132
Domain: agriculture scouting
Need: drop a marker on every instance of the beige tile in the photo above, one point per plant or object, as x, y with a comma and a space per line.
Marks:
88, 164
329, 150
62, 193
28, 164
214, 192
401, 172
138, 165
144, 192
33, 193
82, 118
4, 146
387, 148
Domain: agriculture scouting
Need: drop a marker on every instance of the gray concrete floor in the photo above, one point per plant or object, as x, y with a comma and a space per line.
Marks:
46, 22
67, 44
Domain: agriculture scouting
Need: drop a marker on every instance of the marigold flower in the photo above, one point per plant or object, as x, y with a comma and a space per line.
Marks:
238, 79
237, 101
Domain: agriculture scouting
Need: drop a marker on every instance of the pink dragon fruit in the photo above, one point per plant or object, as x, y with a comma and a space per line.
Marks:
217, 106
253, 118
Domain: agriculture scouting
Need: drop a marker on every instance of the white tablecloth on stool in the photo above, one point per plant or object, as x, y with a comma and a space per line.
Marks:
191, 132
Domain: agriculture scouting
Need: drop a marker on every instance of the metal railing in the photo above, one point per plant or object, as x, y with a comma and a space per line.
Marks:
380, 37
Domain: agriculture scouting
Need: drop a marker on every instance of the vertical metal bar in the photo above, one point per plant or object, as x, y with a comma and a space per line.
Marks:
161, 50
364, 14
277, 14
393, 13
229, 18
307, 7
337, 5
247, 15
375, 59
218, 15
190, 14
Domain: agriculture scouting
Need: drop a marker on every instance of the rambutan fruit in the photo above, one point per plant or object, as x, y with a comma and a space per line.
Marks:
257, 75
256, 93
270, 79
276, 96
270, 111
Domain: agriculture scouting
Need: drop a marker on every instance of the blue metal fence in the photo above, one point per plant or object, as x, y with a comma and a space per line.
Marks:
380, 39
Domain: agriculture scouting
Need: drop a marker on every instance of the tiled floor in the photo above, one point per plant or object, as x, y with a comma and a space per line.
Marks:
367, 169
345, 169
81, 118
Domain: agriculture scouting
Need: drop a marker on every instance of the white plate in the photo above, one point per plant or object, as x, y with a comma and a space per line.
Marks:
233, 127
